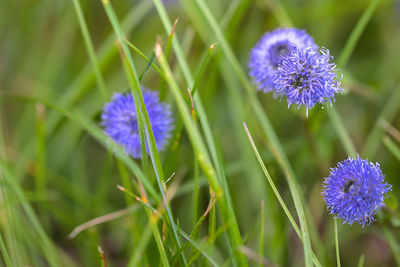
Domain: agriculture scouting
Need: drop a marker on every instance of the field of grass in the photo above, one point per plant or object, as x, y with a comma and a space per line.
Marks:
240, 181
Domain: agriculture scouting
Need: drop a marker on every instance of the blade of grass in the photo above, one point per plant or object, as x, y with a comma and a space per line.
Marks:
141, 246
197, 246
276, 192
361, 261
393, 244
261, 246
141, 54
202, 156
392, 147
279, 12
356, 33
148, 66
336, 243
342, 132
90, 49
388, 113
4, 252
40, 168
142, 114
203, 66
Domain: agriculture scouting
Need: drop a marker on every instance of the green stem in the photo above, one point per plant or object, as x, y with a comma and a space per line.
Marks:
337, 243
90, 49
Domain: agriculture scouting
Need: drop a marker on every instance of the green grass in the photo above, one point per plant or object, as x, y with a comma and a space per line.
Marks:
197, 202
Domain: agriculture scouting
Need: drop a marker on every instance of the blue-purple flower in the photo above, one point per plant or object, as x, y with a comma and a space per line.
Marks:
307, 77
120, 121
267, 54
355, 190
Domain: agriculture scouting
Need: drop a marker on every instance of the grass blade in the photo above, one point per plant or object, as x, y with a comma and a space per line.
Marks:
388, 113
336, 243
90, 49
276, 192
356, 33
4, 252
392, 147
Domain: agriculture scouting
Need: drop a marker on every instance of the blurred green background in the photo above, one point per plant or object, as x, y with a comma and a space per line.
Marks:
69, 178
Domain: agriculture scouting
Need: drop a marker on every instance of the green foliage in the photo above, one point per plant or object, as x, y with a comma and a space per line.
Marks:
60, 61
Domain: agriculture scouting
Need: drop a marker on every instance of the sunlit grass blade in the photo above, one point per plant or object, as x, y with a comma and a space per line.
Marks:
203, 66
361, 261
40, 150
393, 243
198, 247
141, 54
276, 192
148, 66
90, 49
279, 12
356, 33
4, 252
392, 147
336, 243
261, 241
342, 132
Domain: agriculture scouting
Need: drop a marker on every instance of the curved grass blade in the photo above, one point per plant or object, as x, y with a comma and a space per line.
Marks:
336, 243
392, 147
276, 192
90, 49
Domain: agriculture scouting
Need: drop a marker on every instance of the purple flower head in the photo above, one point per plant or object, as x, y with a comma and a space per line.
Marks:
355, 190
266, 56
307, 77
120, 122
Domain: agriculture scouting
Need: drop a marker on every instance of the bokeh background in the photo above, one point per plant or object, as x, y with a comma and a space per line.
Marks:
69, 178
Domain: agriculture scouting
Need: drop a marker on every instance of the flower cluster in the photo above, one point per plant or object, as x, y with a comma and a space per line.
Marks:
355, 190
289, 63
269, 51
307, 77
119, 120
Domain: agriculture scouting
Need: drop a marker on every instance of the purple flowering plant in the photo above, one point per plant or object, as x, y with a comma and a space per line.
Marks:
119, 121
355, 190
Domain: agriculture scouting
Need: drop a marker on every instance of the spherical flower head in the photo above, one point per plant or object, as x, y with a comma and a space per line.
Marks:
355, 190
266, 56
307, 77
120, 121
